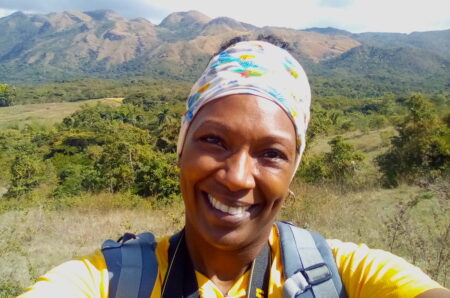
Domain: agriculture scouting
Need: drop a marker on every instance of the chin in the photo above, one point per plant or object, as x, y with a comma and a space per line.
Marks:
234, 239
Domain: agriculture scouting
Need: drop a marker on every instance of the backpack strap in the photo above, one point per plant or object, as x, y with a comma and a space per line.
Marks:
132, 265
181, 281
308, 264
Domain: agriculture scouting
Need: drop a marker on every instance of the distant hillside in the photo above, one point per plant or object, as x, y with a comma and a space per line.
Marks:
61, 46
329, 31
397, 70
103, 44
368, 60
437, 42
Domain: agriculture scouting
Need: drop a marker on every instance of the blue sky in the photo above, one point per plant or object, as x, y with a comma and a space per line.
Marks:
354, 15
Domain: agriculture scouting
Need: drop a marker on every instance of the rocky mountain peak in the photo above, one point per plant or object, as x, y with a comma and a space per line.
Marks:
328, 30
187, 18
103, 43
104, 14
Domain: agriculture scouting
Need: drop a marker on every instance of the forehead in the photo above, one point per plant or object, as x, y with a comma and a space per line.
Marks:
246, 114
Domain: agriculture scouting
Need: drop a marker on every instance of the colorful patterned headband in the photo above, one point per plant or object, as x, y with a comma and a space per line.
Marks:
258, 68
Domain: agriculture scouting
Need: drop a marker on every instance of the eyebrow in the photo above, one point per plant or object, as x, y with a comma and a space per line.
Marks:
215, 124
280, 136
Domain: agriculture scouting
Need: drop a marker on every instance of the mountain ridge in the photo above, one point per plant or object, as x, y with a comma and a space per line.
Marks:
74, 44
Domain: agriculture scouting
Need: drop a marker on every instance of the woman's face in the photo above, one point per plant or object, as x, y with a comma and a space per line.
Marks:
235, 169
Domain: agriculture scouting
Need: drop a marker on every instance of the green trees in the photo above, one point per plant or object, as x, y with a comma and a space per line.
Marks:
337, 166
110, 149
27, 172
97, 149
131, 147
422, 148
7, 95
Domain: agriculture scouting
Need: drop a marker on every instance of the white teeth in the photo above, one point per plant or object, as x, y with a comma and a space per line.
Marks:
224, 208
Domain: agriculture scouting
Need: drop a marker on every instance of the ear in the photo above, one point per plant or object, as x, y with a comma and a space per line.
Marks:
178, 162
289, 199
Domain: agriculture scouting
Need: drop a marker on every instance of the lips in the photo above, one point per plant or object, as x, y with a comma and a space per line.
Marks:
236, 211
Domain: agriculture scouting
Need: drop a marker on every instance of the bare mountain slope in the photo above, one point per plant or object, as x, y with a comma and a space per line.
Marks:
61, 46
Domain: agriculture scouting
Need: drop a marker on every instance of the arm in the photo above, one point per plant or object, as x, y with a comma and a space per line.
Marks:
376, 273
435, 293
82, 277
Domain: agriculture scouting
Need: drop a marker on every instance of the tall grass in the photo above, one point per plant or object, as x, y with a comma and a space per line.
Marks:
36, 238
45, 113
38, 232
409, 221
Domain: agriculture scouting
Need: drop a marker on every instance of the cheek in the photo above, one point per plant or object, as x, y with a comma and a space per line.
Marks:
275, 184
194, 169
275, 189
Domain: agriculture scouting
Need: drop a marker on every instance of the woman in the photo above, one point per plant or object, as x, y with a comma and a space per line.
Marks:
240, 145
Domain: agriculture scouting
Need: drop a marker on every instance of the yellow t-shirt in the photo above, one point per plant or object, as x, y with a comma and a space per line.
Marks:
365, 273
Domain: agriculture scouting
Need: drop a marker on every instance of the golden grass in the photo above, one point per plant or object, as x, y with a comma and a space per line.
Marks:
372, 216
45, 113
36, 239
368, 142
36, 235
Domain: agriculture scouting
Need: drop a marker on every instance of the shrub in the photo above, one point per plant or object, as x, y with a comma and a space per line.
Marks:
27, 171
7, 95
421, 150
158, 176
338, 166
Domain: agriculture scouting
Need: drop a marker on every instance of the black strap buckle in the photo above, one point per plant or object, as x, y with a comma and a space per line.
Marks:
317, 274
126, 237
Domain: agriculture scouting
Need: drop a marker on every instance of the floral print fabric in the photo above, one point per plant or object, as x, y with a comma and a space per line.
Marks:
258, 68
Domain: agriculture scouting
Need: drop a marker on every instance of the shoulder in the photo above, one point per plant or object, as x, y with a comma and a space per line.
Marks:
377, 273
87, 274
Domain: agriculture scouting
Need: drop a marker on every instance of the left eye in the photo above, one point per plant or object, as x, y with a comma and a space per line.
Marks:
273, 154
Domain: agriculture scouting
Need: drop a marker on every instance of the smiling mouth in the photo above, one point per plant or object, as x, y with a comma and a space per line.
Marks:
236, 211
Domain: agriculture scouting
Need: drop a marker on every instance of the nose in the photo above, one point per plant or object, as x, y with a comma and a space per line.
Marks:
238, 173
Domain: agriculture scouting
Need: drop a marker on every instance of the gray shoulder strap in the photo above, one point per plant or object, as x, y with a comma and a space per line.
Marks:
309, 269
132, 265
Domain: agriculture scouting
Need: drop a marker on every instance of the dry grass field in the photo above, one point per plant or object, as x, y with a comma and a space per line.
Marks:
39, 236
45, 113
38, 233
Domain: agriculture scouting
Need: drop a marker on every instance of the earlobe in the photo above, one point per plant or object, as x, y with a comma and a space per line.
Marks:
291, 194
178, 162
290, 198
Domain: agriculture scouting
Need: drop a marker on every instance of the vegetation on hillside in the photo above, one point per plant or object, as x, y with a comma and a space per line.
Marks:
7, 95
421, 151
102, 44
99, 148
88, 89
131, 147
107, 157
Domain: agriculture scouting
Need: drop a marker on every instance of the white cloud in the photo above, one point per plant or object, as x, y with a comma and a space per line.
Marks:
5, 12
129, 8
352, 15
336, 3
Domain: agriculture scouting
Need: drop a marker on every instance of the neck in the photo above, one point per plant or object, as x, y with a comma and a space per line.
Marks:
222, 266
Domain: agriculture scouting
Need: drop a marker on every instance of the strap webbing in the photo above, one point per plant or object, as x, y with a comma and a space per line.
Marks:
258, 284
181, 269
312, 260
180, 280
130, 276
149, 260
126, 262
307, 275
113, 258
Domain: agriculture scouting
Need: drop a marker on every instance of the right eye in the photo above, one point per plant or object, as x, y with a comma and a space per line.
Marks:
212, 140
